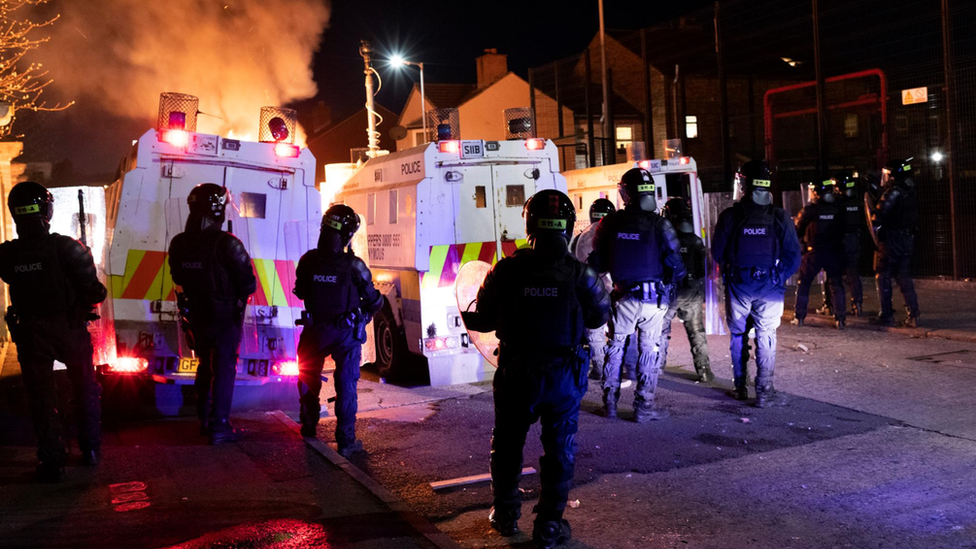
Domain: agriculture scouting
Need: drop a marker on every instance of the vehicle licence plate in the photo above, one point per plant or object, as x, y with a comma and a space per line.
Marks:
188, 365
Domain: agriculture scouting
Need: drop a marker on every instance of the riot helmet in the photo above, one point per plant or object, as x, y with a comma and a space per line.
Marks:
679, 213
208, 200
342, 222
600, 208
636, 188
753, 183
30, 200
845, 183
549, 212
823, 190
896, 171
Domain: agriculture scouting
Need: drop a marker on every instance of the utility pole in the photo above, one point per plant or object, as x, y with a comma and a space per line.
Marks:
606, 89
950, 130
365, 50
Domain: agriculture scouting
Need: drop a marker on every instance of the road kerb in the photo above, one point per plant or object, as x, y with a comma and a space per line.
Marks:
421, 524
855, 323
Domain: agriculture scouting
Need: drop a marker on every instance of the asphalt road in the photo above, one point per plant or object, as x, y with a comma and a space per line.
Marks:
876, 449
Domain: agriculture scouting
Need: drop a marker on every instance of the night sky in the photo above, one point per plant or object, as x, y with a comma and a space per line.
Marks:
86, 142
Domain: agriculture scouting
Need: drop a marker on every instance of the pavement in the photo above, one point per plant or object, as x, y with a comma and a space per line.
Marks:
161, 485
948, 310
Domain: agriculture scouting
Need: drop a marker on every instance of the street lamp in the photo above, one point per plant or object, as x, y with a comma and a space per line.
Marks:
399, 61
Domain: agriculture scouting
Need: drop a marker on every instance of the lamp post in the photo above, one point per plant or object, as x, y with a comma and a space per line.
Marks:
398, 61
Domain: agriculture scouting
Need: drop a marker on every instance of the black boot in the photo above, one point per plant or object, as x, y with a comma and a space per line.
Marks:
912, 320
739, 391
766, 396
840, 323
886, 320
347, 450
548, 534
857, 309
505, 522
222, 431
50, 473
610, 403
705, 374
309, 430
91, 458
648, 412
797, 321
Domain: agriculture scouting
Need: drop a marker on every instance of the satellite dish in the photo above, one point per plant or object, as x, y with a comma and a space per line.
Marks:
7, 114
397, 133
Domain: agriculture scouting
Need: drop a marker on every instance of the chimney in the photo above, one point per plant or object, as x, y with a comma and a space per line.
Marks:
491, 66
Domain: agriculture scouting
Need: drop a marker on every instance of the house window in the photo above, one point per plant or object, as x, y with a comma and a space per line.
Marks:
370, 208
419, 138
691, 127
253, 205
850, 125
624, 136
515, 195
393, 206
480, 199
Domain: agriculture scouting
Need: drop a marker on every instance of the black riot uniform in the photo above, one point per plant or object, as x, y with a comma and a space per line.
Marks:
640, 250
581, 246
757, 247
820, 226
689, 291
539, 302
337, 288
895, 218
53, 288
852, 210
214, 279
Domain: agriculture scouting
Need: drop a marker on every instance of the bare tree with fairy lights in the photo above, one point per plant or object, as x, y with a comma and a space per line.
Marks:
21, 83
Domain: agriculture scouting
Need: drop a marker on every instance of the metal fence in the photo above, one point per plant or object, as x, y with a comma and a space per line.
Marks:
814, 86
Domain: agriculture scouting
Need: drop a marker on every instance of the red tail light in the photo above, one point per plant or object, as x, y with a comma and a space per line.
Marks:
284, 150
285, 368
449, 146
128, 365
684, 160
645, 165
442, 343
177, 138
535, 144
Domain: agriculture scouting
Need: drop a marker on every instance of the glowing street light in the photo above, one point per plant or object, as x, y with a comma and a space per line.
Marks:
399, 61
937, 156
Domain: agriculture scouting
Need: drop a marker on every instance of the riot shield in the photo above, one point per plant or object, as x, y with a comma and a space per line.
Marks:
869, 203
466, 285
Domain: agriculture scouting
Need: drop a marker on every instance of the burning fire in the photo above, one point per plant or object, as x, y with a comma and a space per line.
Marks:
118, 55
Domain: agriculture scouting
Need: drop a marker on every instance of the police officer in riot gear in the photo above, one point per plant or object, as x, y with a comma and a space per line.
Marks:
689, 291
581, 246
852, 210
539, 302
640, 250
337, 288
756, 245
895, 218
821, 229
214, 280
53, 289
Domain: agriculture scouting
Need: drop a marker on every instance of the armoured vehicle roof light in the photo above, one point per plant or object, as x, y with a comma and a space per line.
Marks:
535, 144
449, 146
177, 138
285, 150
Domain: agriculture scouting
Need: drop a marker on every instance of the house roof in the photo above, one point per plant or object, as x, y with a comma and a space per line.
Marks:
387, 114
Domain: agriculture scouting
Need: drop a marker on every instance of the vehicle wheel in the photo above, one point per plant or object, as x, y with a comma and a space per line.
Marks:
391, 344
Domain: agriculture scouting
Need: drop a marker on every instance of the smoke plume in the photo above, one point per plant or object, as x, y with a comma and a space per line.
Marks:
235, 55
